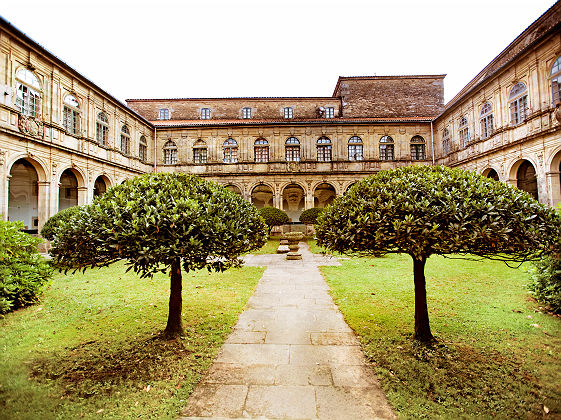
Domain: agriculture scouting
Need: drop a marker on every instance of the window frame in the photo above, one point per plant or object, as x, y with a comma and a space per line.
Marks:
205, 114
355, 148
486, 120
28, 93
288, 112
387, 149
143, 148
329, 112
102, 129
261, 150
170, 153
230, 151
71, 115
125, 148
292, 149
324, 149
246, 113
463, 132
417, 146
518, 104
555, 76
164, 114
446, 141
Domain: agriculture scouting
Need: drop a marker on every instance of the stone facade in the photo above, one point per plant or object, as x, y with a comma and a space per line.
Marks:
64, 140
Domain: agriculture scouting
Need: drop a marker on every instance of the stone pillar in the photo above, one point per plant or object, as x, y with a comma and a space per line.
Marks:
43, 203
553, 182
4, 197
82, 196
309, 203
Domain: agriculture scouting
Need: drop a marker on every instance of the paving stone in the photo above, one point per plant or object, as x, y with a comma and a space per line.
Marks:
288, 336
350, 403
356, 376
240, 336
254, 354
233, 374
281, 401
216, 400
333, 339
303, 375
325, 355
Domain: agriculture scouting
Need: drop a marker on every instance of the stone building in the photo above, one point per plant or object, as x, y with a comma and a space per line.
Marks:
64, 140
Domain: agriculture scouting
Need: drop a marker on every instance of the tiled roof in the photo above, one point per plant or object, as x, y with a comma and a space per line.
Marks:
252, 98
252, 121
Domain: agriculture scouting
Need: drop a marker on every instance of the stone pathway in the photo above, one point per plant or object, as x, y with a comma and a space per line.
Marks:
291, 355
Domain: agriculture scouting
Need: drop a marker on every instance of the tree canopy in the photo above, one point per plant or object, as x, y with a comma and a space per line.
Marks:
160, 222
273, 217
421, 211
309, 216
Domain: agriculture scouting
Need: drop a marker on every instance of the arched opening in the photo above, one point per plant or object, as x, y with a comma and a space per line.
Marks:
100, 186
68, 190
350, 186
324, 194
491, 173
293, 201
526, 179
234, 189
23, 195
262, 196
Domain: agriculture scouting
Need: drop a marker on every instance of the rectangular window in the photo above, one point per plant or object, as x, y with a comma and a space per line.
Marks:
101, 134
417, 152
386, 152
231, 155
199, 155
261, 154
292, 153
205, 113
518, 110
142, 152
71, 120
125, 144
329, 112
464, 137
246, 112
355, 151
164, 114
288, 112
170, 156
324, 153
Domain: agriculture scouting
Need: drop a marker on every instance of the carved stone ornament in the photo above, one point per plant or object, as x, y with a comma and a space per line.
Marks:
2, 157
31, 126
293, 166
557, 113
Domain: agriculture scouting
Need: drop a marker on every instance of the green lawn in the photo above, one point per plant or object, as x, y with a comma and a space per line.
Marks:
497, 354
91, 347
270, 247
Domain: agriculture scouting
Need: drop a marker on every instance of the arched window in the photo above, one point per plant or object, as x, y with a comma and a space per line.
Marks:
446, 141
518, 103
355, 148
486, 120
125, 140
556, 82
71, 114
199, 152
292, 149
463, 131
386, 148
230, 151
417, 148
142, 149
261, 149
101, 129
28, 96
324, 149
170, 153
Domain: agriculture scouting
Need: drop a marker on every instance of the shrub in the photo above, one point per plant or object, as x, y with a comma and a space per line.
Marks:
50, 227
546, 282
23, 272
273, 217
310, 216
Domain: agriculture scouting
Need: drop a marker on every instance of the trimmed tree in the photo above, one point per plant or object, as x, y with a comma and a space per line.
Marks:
60, 218
160, 223
421, 211
273, 217
309, 216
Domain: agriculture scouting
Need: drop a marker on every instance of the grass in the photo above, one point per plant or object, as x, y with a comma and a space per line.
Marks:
497, 355
270, 247
92, 347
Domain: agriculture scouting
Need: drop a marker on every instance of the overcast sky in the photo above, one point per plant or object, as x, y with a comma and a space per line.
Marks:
233, 48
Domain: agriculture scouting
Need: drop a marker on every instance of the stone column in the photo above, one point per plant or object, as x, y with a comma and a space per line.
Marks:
82, 196
4, 197
553, 183
43, 203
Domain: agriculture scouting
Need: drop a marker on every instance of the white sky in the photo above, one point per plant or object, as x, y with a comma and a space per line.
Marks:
232, 48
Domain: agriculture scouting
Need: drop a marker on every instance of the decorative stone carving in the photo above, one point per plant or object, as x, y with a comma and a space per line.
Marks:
31, 126
557, 113
2, 157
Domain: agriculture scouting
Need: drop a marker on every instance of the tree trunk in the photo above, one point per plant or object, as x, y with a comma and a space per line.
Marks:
174, 327
422, 326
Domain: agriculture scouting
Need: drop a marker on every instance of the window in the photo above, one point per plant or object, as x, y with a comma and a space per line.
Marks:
386, 148
102, 129
329, 112
28, 95
486, 120
261, 149
292, 149
463, 130
324, 149
518, 103
446, 141
71, 114
170, 153
417, 148
125, 140
164, 114
230, 151
142, 149
355, 148
556, 82
205, 113
199, 152
288, 112
246, 112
